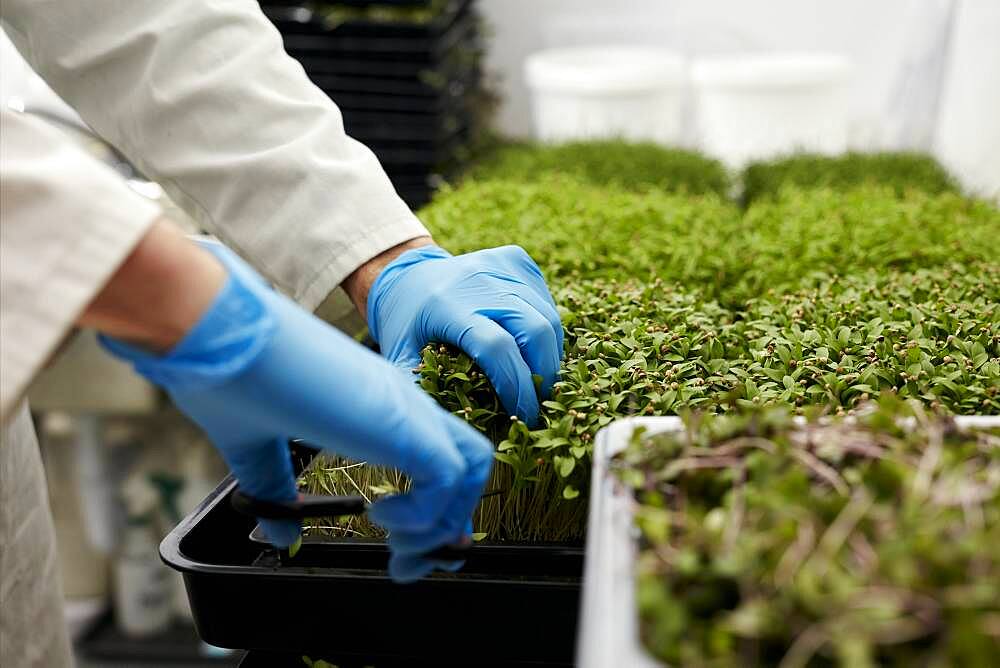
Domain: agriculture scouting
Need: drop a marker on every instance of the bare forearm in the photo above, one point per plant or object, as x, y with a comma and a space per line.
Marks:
360, 281
159, 293
167, 283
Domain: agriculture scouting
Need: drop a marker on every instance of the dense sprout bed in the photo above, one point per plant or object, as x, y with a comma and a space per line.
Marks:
631, 166
576, 231
654, 349
672, 303
902, 172
873, 542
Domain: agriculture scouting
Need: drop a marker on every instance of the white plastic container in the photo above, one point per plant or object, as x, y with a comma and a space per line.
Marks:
758, 106
608, 633
143, 589
143, 586
606, 92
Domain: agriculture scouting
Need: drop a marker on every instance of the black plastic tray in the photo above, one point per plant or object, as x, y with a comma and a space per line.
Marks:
385, 56
454, 100
407, 129
302, 18
353, 3
421, 185
357, 3
337, 602
418, 160
444, 146
304, 31
416, 179
416, 151
443, 61
404, 125
339, 83
415, 198
321, 63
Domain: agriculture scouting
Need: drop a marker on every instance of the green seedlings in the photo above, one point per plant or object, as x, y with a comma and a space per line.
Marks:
575, 230
654, 349
294, 548
804, 237
902, 172
317, 663
641, 349
932, 335
674, 303
860, 543
631, 166
578, 231
336, 476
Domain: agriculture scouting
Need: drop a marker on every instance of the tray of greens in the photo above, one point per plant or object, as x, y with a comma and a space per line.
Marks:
759, 539
902, 171
333, 597
674, 300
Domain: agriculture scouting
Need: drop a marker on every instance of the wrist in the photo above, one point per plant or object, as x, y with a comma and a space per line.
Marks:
358, 285
227, 340
159, 293
381, 302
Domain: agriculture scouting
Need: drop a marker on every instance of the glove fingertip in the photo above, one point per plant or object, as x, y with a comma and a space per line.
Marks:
517, 400
281, 533
549, 381
528, 409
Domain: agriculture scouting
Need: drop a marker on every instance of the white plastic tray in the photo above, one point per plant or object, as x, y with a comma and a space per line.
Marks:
609, 627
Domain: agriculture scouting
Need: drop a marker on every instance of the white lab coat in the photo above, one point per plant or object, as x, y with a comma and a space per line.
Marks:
200, 95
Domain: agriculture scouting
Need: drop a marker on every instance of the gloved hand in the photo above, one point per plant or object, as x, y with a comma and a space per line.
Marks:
257, 369
493, 304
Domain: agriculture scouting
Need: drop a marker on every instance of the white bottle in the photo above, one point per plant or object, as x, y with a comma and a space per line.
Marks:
143, 589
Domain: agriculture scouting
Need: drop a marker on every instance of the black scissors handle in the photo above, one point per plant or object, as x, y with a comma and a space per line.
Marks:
319, 505
306, 506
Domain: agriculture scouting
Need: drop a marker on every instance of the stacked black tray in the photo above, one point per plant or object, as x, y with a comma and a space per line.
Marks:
407, 89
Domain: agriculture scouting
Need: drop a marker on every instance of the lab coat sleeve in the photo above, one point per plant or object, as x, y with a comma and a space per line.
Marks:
67, 223
202, 97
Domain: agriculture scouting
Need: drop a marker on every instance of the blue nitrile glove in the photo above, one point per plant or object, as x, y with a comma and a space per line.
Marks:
257, 369
493, 304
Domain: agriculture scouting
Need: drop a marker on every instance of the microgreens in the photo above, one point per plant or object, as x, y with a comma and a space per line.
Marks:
673, 303
632, 166
854, 544
576, 231
902, 172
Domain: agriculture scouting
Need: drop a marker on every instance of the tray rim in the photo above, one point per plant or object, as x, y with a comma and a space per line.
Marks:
454, 12
612, 545
173, 556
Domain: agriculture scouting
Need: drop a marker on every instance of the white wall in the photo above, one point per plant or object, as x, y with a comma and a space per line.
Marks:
968, 132
901, 48
899, 99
